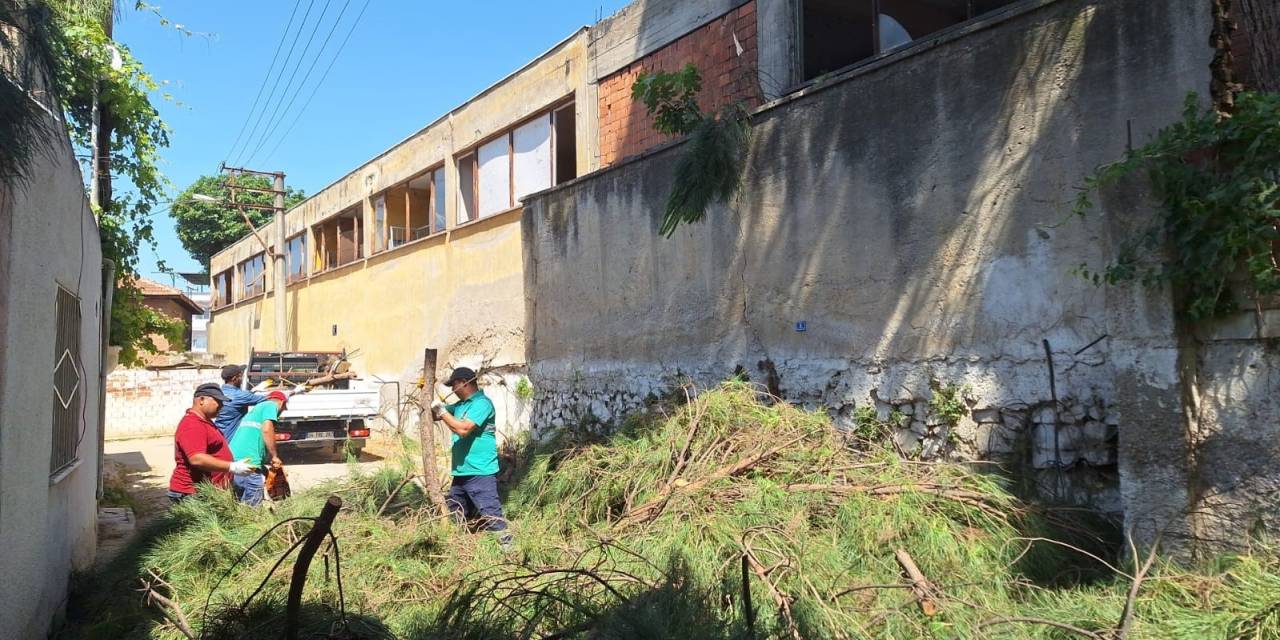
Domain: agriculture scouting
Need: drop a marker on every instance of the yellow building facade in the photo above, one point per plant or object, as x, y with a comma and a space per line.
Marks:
420, 247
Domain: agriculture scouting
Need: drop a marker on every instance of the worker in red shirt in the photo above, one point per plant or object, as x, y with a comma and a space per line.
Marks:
200, 451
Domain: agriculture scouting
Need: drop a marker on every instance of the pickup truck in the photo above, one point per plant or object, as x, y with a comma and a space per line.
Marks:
335, 415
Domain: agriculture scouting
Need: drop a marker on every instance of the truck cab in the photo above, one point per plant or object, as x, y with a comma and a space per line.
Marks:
335, 412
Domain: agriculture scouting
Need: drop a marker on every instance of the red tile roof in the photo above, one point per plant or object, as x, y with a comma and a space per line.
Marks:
151, 289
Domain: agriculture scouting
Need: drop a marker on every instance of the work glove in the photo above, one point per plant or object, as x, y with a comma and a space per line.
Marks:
242, 467
437, 408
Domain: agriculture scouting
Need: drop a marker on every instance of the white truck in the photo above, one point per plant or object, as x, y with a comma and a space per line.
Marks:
336, 415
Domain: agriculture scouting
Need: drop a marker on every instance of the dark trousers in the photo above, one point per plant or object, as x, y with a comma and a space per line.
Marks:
477, 496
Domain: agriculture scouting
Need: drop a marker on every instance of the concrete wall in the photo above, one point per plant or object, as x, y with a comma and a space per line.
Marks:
893, 210
146, 402
48, 238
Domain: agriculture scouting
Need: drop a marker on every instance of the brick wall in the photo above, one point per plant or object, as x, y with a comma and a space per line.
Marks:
625, 128
145, 402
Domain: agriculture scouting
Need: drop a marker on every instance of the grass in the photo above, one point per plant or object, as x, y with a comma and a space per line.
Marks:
666, 530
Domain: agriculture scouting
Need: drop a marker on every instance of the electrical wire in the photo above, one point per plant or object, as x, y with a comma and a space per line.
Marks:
317, 86
275, 84
293, 97
288, 85
262, 87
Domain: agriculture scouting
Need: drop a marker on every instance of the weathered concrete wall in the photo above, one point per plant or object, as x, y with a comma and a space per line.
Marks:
48, 239
146, 402
893, 210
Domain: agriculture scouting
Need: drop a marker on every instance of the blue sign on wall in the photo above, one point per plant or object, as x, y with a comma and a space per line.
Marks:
802, 326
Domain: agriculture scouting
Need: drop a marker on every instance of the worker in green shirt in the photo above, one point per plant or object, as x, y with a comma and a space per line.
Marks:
475, 454
255, 441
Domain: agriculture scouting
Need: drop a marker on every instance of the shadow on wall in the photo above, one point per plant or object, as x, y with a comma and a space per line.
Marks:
894, 212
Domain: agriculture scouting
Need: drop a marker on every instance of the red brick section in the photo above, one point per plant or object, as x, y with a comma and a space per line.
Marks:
626, 130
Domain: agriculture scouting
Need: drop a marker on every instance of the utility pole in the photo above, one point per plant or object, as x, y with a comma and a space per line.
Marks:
277, 248
100, 137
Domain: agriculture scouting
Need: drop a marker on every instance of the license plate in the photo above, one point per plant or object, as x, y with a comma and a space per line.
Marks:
316, 435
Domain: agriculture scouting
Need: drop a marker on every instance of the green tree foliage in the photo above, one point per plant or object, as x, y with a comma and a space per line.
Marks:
711, 168
1218, 182
206, 228
65, 42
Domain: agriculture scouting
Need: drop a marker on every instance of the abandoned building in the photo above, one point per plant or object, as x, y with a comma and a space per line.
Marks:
886, 243
52, 338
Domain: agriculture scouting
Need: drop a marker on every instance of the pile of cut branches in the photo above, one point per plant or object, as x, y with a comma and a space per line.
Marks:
728, 517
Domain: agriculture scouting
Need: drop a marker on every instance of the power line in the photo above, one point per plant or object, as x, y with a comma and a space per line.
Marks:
284, 113
288, 86
316, 88
275, 84
274, 57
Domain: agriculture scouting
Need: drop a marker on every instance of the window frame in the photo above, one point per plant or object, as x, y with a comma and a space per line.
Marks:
66, 414
218, 299
246, 284
290, 278
471, 153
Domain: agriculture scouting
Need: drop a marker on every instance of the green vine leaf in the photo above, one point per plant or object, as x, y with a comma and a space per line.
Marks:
1216, 180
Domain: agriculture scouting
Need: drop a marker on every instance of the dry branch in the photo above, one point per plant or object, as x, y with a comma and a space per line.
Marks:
919, 583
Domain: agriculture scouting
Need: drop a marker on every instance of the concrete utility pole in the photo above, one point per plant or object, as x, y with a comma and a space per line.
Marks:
282, 305
100, 138
277, 248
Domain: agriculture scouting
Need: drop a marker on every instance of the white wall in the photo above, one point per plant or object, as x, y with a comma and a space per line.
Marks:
48, 238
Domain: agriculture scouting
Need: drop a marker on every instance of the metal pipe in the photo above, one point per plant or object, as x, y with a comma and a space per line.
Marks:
108, 298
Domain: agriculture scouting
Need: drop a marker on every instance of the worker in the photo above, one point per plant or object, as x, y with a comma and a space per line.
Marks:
255, 441
238, 400
475, 454
199, 450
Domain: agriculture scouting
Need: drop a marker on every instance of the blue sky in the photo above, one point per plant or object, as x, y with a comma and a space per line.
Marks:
405, 64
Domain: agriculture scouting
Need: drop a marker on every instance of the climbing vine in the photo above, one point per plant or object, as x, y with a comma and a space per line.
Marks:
710, 170
1217, 179
89, 61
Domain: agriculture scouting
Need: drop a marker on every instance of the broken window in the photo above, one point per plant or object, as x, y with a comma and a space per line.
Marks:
565, 144
253, 276
222, 294
410, 211
438, 223
839, 33
467, 188
338, 240
295, 257
68, 382
531, 157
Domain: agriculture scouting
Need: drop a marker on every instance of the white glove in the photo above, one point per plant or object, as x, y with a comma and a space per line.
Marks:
437, 408
241, 468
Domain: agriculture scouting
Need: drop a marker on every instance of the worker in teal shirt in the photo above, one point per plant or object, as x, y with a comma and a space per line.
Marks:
475, 454
254, 442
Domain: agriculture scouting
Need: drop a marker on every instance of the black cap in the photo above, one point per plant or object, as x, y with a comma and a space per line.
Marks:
230, 371
461, 374
210, 390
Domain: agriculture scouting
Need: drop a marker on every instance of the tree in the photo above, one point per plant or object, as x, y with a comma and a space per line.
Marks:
67, 50
205, 228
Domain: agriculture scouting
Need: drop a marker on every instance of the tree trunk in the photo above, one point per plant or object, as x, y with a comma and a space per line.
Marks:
1258, 54
427, 432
